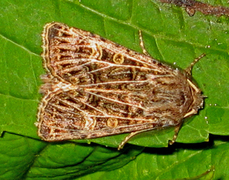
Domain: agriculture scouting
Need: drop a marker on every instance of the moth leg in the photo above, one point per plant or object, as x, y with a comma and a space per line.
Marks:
142, 43
132, 134
189, 69
127, 138
176, 131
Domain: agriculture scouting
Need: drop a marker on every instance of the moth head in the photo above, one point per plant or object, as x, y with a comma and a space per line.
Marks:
198, 99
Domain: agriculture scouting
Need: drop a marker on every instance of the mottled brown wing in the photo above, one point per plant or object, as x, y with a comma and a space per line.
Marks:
79, 57
96, 88
79, 113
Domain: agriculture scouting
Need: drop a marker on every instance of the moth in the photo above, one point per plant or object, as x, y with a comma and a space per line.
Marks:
95, 87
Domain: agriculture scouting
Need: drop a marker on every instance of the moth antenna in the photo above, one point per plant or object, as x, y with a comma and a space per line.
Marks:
142, 43
189, 69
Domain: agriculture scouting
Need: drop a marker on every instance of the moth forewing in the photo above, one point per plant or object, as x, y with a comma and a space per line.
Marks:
95, 88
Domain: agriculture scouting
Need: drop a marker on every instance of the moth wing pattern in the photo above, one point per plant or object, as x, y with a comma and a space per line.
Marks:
95, 87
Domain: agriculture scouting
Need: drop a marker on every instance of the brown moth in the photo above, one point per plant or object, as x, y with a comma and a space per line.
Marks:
95, 88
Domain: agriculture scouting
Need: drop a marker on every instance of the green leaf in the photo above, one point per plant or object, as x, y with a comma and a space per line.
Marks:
26, 158
169, 34
169, 164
